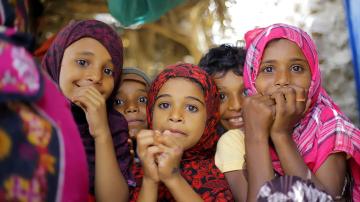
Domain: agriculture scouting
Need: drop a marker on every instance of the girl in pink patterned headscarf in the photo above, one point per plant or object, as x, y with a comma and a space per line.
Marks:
300, 132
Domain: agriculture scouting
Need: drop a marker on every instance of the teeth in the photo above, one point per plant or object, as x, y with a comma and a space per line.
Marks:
238, 119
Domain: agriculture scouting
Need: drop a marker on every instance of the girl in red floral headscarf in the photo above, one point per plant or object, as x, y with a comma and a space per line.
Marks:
177, 153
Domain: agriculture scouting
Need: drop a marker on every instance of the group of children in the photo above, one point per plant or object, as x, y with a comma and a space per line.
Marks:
249, 123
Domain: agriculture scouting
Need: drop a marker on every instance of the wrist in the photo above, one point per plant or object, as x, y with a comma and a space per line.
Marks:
173, 181
102, 136
257, 138
280, 138
146, 181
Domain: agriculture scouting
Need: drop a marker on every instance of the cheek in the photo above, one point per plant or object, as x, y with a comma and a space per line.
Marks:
142, 109
262, 84
108, 87
157, 119
223, 107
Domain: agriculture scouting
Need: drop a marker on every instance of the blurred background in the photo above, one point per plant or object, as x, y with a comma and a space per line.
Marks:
156, 33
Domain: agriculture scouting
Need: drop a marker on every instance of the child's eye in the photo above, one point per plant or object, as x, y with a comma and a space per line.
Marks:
297, 68
143, 99
268, 69
164, 105
108, 71
223, 96
82, 62
118, 102
191, 108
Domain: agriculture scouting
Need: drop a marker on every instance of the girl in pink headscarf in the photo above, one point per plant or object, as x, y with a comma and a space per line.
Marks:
292, 126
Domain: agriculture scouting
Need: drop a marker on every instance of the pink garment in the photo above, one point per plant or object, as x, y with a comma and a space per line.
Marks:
22, 82
75, 182
324, 129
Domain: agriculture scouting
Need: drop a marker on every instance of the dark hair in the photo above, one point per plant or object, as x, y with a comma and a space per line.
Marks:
224, 58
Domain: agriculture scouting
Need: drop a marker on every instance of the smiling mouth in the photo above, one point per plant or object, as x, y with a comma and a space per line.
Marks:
236, 121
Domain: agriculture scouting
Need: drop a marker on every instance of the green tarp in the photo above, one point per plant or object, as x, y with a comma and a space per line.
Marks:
135, 12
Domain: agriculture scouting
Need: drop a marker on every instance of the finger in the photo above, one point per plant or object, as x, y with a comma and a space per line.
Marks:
307, 106
144, 139
280, 105
90, 92
130, 143
133, 133
267, 100
87, 102
168, 139
279, 98
157, 135
301, 99
168, 154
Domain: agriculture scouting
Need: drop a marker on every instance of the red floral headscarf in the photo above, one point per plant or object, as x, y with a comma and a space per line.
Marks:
197, 165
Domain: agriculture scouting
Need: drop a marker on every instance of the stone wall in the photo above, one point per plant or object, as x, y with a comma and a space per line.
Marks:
325, 20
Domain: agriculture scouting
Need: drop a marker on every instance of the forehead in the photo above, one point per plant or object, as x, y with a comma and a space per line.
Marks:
181, 85
279, 47
88, 44
133, 78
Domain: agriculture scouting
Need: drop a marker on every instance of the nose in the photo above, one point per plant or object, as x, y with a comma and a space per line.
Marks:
94, 75
176, 116
282, 78
235, 103
131, 108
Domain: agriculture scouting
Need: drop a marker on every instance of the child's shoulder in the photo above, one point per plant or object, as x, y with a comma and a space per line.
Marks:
233, 133
234, 136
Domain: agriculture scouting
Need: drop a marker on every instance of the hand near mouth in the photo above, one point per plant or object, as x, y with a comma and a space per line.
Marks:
94, 106
169, 159
289, 108
148, 150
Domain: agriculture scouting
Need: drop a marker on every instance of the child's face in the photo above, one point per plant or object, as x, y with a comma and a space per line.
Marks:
231, 88
86, 62
131, 100
283, 64
180, 108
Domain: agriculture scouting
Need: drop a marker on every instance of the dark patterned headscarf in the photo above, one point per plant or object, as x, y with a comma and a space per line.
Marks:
197, 164
118, 125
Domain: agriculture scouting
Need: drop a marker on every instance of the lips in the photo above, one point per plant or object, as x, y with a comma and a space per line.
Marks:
235, 121
135, 122
175, 132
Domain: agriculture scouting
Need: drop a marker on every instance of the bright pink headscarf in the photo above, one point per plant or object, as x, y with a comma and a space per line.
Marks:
324, 129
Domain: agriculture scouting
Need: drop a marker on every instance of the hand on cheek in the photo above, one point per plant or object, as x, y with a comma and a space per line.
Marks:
290, 104
94, 106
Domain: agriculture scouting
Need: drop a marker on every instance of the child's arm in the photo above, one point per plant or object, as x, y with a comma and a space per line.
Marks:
288, 111
229, 158
258, 116
169, 172
110, 184
238, 184
147, 152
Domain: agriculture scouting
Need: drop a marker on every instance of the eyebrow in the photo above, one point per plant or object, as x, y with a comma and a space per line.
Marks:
188, 97
194, 98
298, 60
88, 53
292, 60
